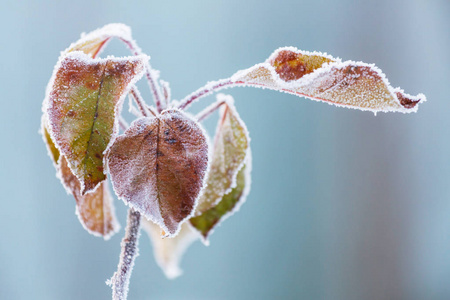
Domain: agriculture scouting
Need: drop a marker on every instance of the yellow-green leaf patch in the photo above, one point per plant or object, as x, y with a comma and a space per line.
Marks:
84, 101
231, 143
209, 219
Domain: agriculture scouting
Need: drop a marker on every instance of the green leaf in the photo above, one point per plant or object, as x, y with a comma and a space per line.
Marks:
323, 78
95, 210
231, 144
158, 167
227, 176
91, 44
84, 101
208, 220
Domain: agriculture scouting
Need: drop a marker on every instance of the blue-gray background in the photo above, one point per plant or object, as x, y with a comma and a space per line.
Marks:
344, 205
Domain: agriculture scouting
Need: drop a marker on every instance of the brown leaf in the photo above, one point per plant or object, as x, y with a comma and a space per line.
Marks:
95, 210
158, 167
84, 101
321, 77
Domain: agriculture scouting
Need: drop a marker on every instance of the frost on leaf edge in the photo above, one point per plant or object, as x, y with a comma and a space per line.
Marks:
307, 78
208, 166
248, 182
84, 58
229, 102
115, 224
104, 33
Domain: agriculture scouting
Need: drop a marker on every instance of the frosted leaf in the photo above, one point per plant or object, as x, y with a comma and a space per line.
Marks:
95, 210
91, 44
84, 101
52, 151
228, 205
94, 42
231, 144
321, 77
169, 251
158, 167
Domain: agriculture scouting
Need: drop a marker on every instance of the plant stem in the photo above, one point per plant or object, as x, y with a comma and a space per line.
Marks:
152, 111
123, 124
121, 278
150, 74
206, 90
139, 101
209, 110
166, 93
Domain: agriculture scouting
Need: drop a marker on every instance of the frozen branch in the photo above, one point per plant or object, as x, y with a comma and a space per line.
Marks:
121, 278
209, 110
150, 74
206, 90
139, 101
123, 124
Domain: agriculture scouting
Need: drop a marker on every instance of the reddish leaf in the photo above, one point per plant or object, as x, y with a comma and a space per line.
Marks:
95, 210
321, 77
158, 167
84, 101
95, 41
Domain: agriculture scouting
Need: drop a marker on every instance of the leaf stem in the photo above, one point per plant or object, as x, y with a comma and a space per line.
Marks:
209, 110
152, 110
121, 278
139, 101
206, 90
166, 92
123, 124
150, 74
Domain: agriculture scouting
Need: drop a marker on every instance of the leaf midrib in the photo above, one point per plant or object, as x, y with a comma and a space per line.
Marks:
95, 118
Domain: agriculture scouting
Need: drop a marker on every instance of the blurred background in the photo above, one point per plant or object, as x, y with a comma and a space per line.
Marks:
344, 205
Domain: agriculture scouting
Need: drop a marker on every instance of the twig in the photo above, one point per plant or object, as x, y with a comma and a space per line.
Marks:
152, 110
139, 101
132, 108
121, 278
166, 93
150, 74
123, 124
209, 110
206, 90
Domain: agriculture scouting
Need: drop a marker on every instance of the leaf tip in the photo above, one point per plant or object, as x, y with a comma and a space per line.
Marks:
410, 102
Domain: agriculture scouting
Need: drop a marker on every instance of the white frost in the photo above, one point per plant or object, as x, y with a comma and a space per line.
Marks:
329, 84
